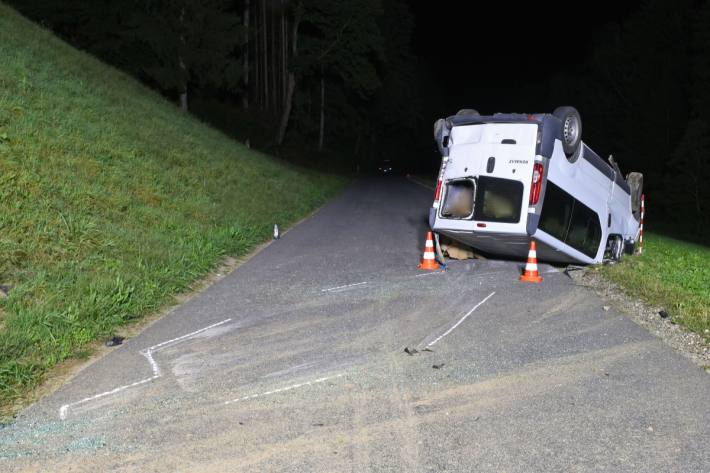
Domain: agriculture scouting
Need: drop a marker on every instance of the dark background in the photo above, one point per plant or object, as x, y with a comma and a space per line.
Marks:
496, 54
371, 76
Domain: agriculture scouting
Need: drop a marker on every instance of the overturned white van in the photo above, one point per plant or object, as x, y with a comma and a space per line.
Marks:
508, 178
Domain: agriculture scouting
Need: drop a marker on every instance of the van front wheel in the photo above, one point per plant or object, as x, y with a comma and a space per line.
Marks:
571, 130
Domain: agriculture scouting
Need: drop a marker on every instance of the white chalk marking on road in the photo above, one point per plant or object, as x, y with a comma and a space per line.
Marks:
148, 354
343, 287
187, 335
461, 320
153, 364
290, 369
429, 274
63, 410
287, 388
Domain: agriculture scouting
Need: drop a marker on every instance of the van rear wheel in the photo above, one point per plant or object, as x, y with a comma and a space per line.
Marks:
635, 182
616, 247
571, 130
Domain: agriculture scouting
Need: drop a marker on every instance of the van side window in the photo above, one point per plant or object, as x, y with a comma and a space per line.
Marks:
570, 221
556, 211
585, 233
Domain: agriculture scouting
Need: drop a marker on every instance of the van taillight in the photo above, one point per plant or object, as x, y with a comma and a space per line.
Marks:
437, 193
536, 183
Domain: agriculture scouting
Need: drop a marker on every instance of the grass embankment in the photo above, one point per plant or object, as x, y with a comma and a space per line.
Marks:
111, 201
672, 274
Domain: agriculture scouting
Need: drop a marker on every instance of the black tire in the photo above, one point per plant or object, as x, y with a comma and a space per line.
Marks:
635, 182
468, 111
442, 130
571, 130
617, 245
438, 128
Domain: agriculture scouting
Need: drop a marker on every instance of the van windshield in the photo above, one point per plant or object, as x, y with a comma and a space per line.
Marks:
498, 200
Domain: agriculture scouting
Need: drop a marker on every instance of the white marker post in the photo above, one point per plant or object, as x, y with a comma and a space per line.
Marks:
643, 213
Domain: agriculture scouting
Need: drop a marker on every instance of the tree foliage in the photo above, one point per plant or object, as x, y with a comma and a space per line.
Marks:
353, 72
179, 42
644, 97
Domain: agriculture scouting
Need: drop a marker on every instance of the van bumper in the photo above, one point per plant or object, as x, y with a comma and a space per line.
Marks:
514, 245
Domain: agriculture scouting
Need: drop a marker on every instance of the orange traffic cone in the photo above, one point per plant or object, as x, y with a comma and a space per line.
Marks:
531, 273
428, 258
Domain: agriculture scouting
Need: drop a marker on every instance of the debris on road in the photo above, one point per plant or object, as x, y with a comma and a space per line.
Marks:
606, 308
663, 313
115, 341
410, 351
689, 344
439, 366
457, 251
277, 234
5, 290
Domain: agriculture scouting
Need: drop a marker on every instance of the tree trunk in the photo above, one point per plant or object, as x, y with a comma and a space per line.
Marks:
284, 49
357, 143
183, 92
183, 67
274, 62
286, 114
265, 55
183, 100
256, 66
321, 135
245, 95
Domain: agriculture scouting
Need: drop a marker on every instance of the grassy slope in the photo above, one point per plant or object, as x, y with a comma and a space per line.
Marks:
111, 200
673, 274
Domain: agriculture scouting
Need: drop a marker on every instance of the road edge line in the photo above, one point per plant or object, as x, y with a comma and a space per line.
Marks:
412, 179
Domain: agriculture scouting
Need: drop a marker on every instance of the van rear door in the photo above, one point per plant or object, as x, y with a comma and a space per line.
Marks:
494, 162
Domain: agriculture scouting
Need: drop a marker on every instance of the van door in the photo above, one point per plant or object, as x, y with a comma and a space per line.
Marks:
487, 178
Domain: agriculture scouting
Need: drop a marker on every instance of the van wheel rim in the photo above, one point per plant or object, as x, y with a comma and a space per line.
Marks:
571, 130
618, 248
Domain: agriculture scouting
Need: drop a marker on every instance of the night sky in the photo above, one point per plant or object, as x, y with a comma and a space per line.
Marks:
485, 53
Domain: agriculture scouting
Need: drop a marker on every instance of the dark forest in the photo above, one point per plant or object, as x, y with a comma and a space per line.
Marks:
343, 85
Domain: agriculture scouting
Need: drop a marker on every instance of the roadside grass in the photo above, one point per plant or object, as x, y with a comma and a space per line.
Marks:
672, 274
112, 201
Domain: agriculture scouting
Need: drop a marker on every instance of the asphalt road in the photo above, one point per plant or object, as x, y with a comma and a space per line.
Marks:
295, 363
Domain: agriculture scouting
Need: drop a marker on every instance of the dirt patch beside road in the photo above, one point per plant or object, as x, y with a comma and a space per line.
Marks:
689, 344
